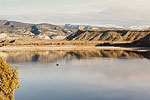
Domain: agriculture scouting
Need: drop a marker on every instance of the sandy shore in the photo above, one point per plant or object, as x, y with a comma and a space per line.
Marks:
52, 48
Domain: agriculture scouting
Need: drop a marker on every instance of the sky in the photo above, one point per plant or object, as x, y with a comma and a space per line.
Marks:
118, 12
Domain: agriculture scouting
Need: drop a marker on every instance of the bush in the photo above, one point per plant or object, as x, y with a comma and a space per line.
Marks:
8, 81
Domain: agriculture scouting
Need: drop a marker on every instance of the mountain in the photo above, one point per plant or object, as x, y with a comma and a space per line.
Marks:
74, 26
107, 35
44, 28
18, 32
108, 26
12, 30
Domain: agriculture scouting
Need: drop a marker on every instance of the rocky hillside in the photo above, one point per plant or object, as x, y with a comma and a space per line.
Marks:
12, 30
18, 32
143, 42
107, 35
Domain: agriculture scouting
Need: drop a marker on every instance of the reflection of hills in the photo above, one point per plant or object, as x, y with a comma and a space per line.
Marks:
52, 56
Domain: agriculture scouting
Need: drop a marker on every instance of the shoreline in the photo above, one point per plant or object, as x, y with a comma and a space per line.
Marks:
68, 48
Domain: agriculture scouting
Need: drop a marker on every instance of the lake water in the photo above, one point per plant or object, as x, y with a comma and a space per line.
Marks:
82, 75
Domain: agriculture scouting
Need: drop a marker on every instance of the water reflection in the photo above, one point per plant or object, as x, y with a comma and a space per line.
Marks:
80, 77
88, 79
8, 81
53, 56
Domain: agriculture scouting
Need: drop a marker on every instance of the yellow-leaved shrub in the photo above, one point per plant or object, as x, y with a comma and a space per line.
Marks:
8, 80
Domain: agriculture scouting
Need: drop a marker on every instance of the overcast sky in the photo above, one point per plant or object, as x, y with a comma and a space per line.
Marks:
119, 12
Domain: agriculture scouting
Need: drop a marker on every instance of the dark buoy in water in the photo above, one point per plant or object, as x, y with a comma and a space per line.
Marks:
57, 64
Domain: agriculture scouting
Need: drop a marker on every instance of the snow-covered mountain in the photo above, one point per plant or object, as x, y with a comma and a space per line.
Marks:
138, 27
107, 26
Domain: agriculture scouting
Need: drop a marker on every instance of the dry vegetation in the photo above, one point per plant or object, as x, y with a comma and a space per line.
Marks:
8, 81
62, 43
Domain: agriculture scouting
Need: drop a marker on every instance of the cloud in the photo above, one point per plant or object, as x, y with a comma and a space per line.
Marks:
120, 12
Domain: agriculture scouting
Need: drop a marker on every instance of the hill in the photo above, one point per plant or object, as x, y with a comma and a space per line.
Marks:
107, 35
25, 31
143, 42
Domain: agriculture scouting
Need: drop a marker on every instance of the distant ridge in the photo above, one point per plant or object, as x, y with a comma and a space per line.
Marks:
108, 26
